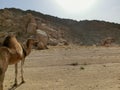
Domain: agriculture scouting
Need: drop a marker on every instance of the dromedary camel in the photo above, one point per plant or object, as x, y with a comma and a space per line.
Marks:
11, 53
9, 56
26, 51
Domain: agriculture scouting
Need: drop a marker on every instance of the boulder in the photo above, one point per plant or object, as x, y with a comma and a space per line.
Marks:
63, 42
31, 25
107, 41
53, 42
41, 46
31, 28
42, 38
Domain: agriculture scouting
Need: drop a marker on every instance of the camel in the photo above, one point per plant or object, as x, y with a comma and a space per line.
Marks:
9, 56
12, 52
26, 51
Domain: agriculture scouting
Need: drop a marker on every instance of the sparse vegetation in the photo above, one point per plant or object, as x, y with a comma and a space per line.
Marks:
74, 64
104, 65
82, 68
75, 72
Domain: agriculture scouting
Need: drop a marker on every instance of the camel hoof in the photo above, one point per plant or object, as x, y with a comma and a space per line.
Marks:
14, 85
23, 82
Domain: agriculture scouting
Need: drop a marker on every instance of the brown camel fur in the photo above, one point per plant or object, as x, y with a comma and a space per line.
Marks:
9, 56
11, 53
26, 51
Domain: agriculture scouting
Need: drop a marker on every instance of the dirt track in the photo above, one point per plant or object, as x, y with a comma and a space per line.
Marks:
70, 68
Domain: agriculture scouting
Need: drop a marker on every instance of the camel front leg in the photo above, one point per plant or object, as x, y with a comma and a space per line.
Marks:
1, 86
2, 75
16, 72
22, 64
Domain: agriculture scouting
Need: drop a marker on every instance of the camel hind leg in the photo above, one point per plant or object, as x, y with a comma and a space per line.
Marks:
22, 78
2, 75
1, 82
16, 72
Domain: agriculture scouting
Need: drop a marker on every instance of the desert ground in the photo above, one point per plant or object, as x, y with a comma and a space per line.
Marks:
69, 68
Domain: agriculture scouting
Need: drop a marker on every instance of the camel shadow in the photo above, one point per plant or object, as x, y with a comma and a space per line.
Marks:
13, 87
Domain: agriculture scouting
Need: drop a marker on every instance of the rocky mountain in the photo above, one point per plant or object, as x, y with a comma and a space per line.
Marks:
58, 31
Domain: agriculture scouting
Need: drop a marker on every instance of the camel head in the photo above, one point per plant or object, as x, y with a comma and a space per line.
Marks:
31, 42
28, 46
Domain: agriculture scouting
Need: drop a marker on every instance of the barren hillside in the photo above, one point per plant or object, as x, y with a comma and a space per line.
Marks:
25, 24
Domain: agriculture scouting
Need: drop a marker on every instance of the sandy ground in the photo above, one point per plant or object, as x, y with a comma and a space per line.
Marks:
70, 68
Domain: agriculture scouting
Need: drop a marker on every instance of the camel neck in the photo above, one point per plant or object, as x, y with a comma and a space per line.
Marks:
28, 49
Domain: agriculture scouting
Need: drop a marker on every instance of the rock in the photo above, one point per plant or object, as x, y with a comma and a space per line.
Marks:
53, 42
7, 14
7, 23
42, 38
32, 25
63, 42
107, 41
31, 28
2, 36
41, 46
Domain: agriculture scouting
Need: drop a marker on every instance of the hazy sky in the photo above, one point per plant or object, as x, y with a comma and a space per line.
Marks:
107, 10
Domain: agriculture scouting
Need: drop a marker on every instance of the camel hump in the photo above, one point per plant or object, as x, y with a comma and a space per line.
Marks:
6, 42
9, 41
12, 43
